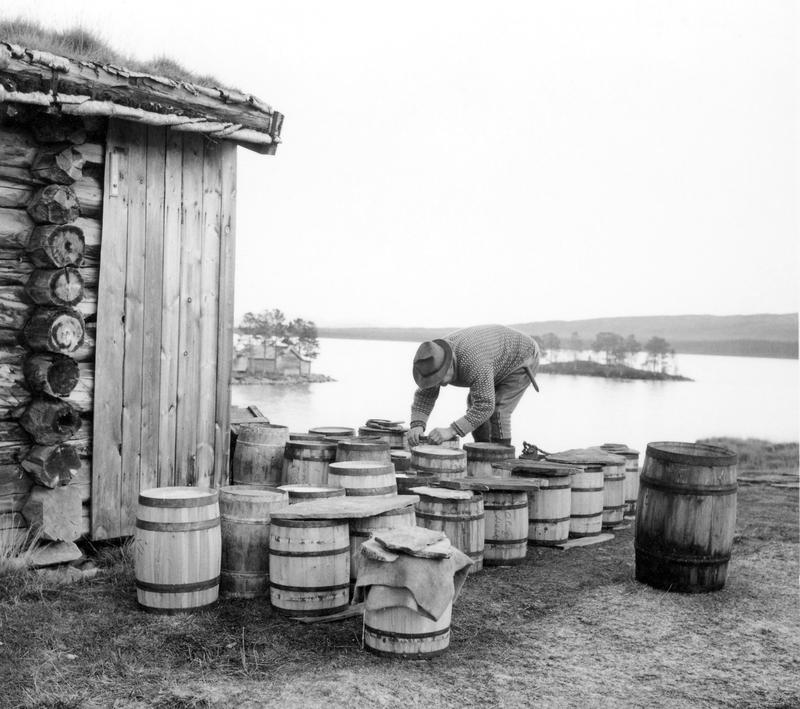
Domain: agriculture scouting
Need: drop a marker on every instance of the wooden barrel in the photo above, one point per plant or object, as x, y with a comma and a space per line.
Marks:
631, 473
457, 513
244, 525
258, 458
402, 633
396, 438
505, 527
613, 494
549, 507
405, 481
304, 492
309, 566
307, 462
363, 528
685, 516
342, 431
447, 463
401, 459
363, 478
177, 549
481, 457
363, 449
586, 501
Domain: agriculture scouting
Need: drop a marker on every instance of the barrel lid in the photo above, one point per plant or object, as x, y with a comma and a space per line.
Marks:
333, 431
178, 496
357, 442
320, 444
488, 448
360, 465
370, 430
536, 468
692, 454
438, 452
620, 449
305, 436
586, 456
252, 491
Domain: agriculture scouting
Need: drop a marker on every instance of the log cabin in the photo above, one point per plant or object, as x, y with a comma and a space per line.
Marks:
117, 234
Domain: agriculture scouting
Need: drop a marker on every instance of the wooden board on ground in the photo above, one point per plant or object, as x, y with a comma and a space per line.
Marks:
345, 507
492, 483
354, 610
585, 541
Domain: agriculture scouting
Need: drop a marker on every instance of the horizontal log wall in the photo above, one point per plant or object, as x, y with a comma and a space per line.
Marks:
18, 187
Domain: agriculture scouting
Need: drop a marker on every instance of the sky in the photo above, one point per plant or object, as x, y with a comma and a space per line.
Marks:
452, 163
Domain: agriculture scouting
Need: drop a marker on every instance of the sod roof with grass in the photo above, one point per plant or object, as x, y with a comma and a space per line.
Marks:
78, 74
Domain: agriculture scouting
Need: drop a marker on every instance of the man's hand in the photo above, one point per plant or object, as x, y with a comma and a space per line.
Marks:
413, 436
440, 435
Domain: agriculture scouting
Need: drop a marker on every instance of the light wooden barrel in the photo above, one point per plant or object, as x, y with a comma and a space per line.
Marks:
342, 431
447, 463
309, 566
258, 457
363, 528
363, 478
549, 507
363, 449
613, 495
506, 527
405, 481
631, 473
457, 513
401, 459
685, 516
307, 462
244, 525
586, 501
482, 456
177, 549
397, 439
304, 492
402, 633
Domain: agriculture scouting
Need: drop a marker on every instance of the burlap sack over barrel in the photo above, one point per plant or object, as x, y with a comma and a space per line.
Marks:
408, 591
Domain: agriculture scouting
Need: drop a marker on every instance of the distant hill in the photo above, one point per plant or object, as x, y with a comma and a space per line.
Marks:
739, 335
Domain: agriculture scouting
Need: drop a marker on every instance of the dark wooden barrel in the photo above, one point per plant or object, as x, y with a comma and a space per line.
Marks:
482, 456
685, 516
258, 457
307, 462
361, 448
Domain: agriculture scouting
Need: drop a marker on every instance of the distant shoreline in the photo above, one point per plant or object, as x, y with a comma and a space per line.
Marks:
583, 368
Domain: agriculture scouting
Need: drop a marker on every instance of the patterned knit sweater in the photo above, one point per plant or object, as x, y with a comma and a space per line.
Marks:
484, 355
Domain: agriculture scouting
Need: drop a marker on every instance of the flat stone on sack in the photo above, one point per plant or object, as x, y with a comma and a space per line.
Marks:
416, 541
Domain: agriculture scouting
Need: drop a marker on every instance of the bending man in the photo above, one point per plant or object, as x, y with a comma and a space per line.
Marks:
497, 363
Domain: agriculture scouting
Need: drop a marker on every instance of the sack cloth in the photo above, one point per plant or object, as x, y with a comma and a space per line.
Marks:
425, 586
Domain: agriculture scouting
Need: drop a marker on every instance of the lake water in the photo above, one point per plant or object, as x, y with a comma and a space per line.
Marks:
742, 397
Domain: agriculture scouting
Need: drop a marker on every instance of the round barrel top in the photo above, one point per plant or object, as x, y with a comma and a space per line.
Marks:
442, 493
333, 431
586, 456
697, 454
344, 466
361, 443
488, 448
438, 452
178, 497
306, 437
537, 468
252, 492
619, 449
400, 453
311, 445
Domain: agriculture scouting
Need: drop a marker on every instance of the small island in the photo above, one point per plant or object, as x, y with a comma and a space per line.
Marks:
617, 351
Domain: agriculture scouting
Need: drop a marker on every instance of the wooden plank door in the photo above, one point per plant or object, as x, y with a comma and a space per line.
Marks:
164, 319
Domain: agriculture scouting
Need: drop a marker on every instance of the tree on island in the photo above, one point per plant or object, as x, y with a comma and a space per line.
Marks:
610, 344
632, 347
659, 353
549, 342
575, 344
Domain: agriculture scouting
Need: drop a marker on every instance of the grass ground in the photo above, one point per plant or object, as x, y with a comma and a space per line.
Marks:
564, 629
